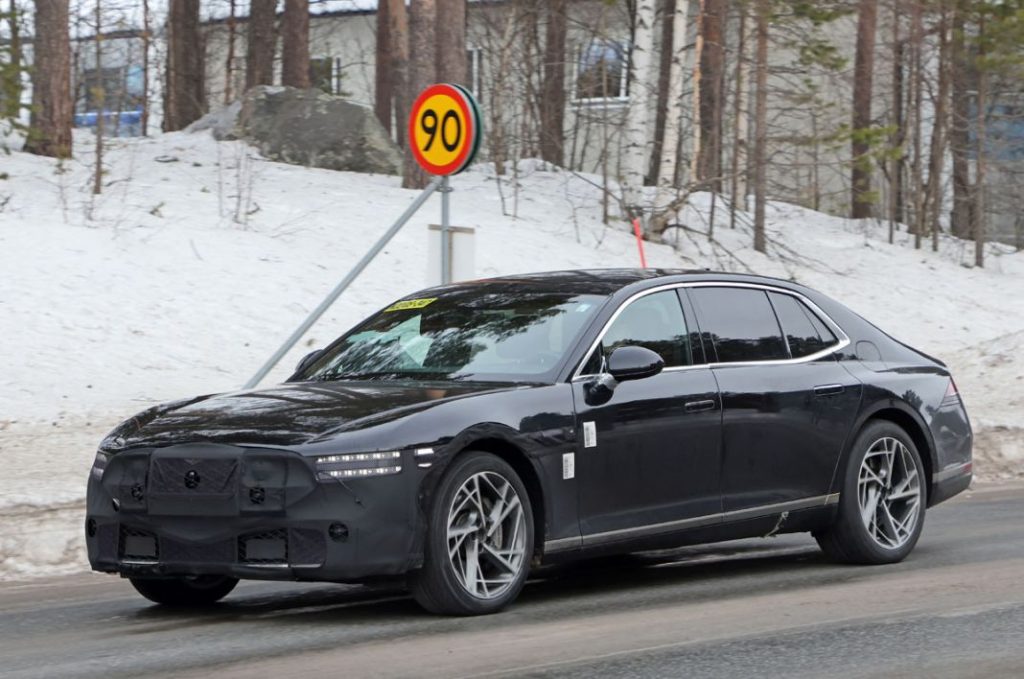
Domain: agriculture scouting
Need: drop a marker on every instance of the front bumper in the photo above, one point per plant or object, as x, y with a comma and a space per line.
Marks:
249, 513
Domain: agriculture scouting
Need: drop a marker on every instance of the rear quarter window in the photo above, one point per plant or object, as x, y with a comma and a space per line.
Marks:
805, 333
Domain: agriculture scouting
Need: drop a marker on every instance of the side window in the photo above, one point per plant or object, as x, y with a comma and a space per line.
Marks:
740, 323
654, 322
798, 322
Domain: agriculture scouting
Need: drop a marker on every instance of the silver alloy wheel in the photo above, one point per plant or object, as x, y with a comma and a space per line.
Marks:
486, 535
889, 493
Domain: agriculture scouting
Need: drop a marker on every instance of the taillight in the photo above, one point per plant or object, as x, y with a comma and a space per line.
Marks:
951, 390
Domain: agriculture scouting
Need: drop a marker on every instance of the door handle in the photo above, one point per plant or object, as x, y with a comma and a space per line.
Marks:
699, 406
828, 389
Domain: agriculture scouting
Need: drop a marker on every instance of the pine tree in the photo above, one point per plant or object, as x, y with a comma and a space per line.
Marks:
295, 44
185, 92
422, 71
552, 100
450, 35
863, 72
50, 126
260, 43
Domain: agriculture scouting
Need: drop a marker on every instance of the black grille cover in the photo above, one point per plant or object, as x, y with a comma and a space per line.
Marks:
173, 551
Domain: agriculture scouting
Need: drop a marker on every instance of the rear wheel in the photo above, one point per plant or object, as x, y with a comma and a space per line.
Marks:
881, 508
185, 591
479, 539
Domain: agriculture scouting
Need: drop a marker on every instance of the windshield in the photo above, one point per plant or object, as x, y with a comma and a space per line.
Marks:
465, 335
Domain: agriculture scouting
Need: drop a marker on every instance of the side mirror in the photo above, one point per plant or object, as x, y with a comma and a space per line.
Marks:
634, 363
625, 363
308, 360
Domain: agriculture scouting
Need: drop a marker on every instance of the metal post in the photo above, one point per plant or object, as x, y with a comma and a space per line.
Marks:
446, 235
340, 288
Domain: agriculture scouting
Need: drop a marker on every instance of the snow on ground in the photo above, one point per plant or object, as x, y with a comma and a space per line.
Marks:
199, 258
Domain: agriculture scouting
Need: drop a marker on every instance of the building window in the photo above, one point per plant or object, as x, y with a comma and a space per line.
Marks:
602, 71
325, 74
116, 87
473, 61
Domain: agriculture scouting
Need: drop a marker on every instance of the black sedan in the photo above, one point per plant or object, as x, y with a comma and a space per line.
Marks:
468, 432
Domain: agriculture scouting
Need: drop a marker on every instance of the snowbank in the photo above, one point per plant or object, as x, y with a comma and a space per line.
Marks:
199, 258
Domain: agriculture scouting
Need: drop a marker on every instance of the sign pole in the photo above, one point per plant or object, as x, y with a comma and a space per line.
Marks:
351, 276
446, 234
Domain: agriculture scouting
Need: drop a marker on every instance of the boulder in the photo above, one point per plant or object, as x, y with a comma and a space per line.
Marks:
307, 127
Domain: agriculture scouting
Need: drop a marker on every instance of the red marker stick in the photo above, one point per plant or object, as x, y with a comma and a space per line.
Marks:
639, 242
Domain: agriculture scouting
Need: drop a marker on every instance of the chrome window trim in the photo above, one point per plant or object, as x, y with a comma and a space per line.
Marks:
843, 340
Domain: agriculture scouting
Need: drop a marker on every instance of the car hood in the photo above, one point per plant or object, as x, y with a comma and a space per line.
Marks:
288, 414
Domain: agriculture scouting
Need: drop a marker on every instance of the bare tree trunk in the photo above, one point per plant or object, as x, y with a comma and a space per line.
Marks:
961, 219
295, 44
898, 136
50, 127
398, 44
229, 63
422, 71
100, 96
916, 78
761, 123
981, 151
146, 43
499, 89
260, 42
698, 58
391, 99
635, 132
937, 151
712, 78
451, 42
860, 148
666, 11
10, 106
738, 188
184, 94
383, 71
669, 160
552, 100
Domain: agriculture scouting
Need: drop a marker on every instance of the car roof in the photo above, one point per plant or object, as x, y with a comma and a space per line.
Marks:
603, 281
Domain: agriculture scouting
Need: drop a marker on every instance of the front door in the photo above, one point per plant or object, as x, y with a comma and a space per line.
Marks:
648, 457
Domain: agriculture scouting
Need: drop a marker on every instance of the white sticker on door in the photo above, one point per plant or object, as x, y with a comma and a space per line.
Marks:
568, 466
589, 434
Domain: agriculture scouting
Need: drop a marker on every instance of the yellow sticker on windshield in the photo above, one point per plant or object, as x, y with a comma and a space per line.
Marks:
411, 304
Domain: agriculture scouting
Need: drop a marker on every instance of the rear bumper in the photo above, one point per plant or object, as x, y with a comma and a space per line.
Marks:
954, 441
301, 529
950, 481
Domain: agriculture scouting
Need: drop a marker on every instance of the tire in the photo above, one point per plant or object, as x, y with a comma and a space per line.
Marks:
462, 585
183, 592
898, 494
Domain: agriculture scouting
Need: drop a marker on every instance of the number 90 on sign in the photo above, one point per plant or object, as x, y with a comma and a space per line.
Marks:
444, 129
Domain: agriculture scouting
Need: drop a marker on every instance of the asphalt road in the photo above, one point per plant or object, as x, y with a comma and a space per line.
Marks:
771, 608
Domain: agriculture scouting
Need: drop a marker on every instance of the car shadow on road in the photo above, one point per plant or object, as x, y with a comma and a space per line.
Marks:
692, 574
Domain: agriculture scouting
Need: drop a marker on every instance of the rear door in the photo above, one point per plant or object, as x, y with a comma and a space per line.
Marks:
648, 457
787, 405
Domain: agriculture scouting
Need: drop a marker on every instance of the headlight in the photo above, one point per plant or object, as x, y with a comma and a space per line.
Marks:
99, 465
354, 465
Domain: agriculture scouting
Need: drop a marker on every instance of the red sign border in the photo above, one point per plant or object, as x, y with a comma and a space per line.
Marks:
462, 159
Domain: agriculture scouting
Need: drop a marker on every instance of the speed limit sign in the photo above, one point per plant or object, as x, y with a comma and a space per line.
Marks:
444, 129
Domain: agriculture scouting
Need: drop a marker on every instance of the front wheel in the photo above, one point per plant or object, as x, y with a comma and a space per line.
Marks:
881, 508
185, 591
479, 539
